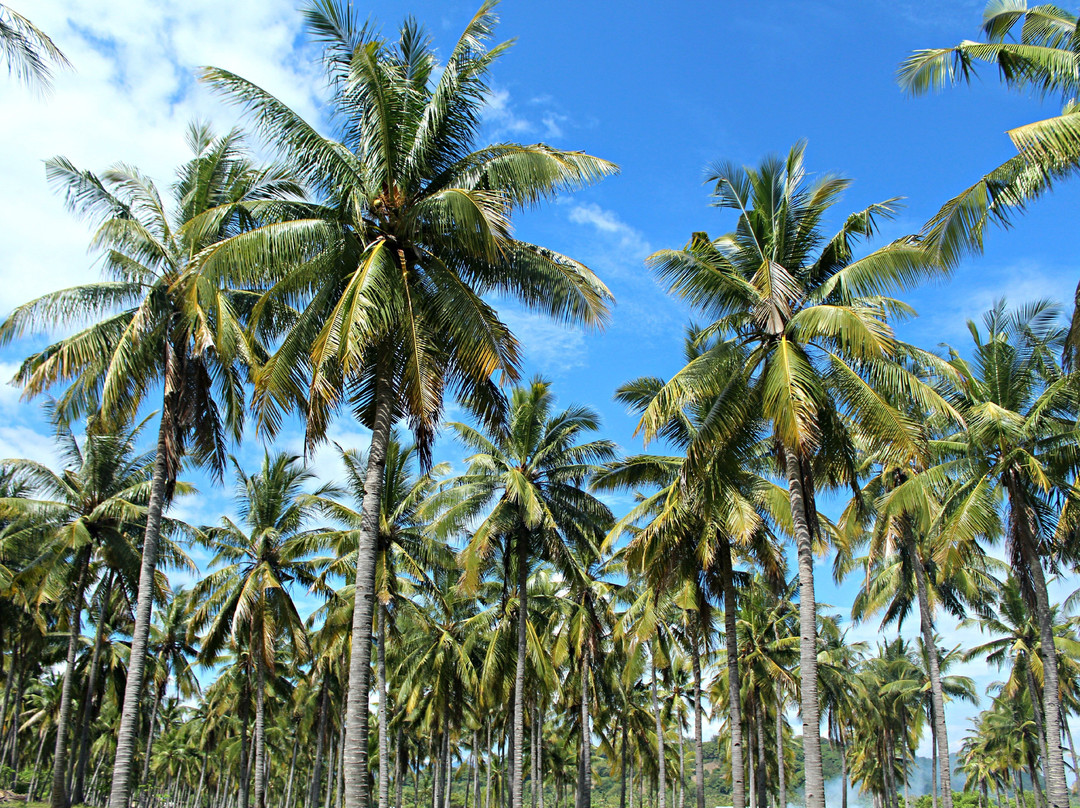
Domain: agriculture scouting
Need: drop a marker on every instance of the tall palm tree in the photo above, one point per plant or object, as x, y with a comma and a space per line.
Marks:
1043, 61
248, 600
526, 481
412, 231
406, 553
28, 51
89, 511
809, 325
165, 319
1019, 447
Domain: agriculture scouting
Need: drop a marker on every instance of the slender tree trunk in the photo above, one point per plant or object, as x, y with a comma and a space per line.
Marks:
331, 771
292, 773
487, 789
1072, 750
448, 772
585, 787
843, 770
197, 802
682, 771
781, 769
1021, 798
59, 797
517, 784
751, 763
540, 753
761, 772
699, 751
20, 690
934, 781
145, 780
320, 747
811, 711
384, 737
37, 768
127, 734
91, 689
475, 769
738, 784
356, 734
1056, 786
399, 772
260, 729
622, 768
15, 658
926, 624
245, 752
661, 769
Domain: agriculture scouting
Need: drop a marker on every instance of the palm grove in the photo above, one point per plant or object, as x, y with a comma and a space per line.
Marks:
499, 635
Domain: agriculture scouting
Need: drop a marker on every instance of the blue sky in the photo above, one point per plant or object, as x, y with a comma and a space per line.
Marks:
661, 89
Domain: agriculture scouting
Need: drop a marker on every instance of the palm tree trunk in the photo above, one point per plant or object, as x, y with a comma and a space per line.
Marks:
762, 799
781, 771
260, 728
331, 771
682, 771
1072, 750
59, 797
245, 752
1027, 543
585, 783
926, 624
475, 770
699, 751
843, 770
518, 782
798, 477
540, 754
751, 771
202, 781
625, 762
145, 780
287, 803
661, 769
448, 772
91, 689
738, 784
37, 768
399, 772
15, 658
384, 737
487, 766
356, 725
934, 782
320, 747
127, 734
1036, 711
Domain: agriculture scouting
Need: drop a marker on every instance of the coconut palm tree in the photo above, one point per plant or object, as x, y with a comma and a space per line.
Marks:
248, 600
412, 231
1042, 60
809, 326
526, 482
1019, 447
88, 512
164, 319
28, 51
405, 554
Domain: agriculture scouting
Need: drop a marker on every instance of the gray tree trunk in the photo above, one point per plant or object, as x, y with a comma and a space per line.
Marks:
127, 734
59, 797
661, 768
287, 803
399, 771
145, 780
384, 737
926, 624
781, 769
762, 799
260, 730
738, 765
37, 768
517, 794
585, 784
320, 744
91, 689
699, 751
622, 768
356, 726
811, 709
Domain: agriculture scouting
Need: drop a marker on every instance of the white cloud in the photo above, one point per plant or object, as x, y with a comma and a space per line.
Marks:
630, 241
131, 93
551, 347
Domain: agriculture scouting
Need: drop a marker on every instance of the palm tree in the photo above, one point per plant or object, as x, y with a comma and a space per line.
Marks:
1042, 61
413, 230
527, 478
809, 327
28, 51
405, 553
166, 319
88, 511
1019, 447
248, 601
